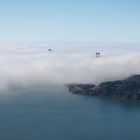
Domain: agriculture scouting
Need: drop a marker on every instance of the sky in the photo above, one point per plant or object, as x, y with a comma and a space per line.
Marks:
70, 20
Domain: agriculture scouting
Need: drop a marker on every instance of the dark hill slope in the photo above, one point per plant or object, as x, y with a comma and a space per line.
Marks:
128, 89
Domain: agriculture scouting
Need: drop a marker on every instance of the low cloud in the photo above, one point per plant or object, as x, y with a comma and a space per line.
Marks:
28, 66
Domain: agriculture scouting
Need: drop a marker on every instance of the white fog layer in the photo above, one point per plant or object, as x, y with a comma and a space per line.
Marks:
32, 64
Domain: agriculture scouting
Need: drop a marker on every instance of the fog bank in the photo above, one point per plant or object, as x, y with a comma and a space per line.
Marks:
32, 65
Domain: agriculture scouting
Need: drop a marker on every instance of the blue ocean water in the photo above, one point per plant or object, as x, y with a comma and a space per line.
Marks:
56, 114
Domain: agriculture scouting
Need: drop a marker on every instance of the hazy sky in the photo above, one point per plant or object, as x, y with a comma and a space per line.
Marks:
70, 20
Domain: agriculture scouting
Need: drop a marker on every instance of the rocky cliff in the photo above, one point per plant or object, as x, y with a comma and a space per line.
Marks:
128, 89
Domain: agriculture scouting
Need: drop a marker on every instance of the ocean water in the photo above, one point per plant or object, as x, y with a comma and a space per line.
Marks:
55, 114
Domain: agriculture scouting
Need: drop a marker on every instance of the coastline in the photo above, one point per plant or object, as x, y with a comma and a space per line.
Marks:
127, 89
